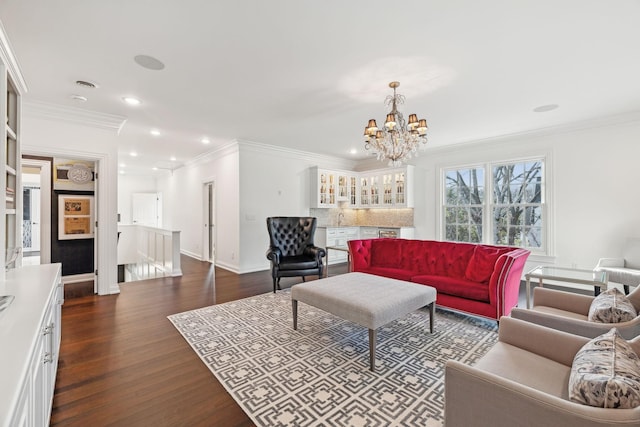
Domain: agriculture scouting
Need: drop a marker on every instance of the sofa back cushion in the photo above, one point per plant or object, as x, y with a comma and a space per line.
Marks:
386, 252
482, 262
446, 258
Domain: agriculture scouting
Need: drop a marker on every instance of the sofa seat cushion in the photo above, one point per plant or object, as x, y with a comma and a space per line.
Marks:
527, 368
606, 373
297, 262
393, 273
452, 286
611, 306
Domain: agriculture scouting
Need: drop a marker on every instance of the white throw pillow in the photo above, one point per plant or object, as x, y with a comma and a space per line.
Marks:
611, 306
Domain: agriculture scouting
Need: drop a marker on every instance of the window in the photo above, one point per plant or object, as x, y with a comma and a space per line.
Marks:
499, 204
464, 205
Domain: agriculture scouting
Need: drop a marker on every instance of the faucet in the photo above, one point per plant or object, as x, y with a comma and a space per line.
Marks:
340, 218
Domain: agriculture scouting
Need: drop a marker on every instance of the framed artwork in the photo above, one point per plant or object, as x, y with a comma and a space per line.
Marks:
75, 217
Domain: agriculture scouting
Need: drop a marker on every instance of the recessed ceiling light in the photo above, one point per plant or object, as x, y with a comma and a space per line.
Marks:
353, 151
172, 158
131, 100
154, 168
545, 108
121, 172
133, 154
205, 140
154, 132
79, 98
148, 62
122, 165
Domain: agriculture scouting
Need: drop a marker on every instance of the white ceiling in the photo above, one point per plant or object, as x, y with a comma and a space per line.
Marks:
309, 74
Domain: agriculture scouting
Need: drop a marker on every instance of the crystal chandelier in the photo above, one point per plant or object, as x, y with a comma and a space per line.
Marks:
397, 141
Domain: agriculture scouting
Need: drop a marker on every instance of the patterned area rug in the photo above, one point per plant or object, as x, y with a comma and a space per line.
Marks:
319, 375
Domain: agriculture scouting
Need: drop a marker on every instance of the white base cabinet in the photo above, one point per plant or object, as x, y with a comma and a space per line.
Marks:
339, 236
30, 337
335, 236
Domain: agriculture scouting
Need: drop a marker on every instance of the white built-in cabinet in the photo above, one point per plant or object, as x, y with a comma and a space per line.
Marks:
323, 188
30, 331
382, 188
11, 88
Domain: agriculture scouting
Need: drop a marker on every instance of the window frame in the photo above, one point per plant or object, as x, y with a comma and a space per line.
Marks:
546, 249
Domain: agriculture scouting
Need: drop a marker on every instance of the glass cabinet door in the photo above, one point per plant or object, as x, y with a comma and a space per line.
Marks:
400, 188
326, 189
375, 190
387, 188
364, 192
343, 187
353, 183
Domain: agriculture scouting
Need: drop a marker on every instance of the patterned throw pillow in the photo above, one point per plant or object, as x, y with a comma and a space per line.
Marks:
611, 306
606, 373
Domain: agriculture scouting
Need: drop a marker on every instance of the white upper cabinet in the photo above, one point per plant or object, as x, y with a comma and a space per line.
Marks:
323, 188
383, 188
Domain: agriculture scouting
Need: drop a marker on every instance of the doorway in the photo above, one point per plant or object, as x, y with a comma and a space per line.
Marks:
36, 213
147, 209
209, 209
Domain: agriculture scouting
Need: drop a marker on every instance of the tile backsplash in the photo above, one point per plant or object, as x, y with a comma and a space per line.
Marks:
364, 217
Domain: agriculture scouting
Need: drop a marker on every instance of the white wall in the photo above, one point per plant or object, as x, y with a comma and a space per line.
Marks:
127, 185
252, 181
273, 182
183, 204
593, 177
51, 136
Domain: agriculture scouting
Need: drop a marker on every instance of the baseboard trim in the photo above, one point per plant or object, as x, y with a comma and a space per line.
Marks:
192, 255
76, 278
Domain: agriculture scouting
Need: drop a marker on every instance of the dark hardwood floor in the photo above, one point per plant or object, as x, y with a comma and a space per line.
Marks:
122, 363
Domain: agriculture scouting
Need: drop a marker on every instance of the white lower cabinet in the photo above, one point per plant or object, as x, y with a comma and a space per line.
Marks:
369, 232
335, 236
30, 328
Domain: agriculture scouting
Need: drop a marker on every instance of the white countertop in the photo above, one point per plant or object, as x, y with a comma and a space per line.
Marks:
32, 287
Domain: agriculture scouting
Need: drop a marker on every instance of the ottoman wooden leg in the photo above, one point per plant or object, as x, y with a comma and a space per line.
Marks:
294, 306
372, 349
432, 311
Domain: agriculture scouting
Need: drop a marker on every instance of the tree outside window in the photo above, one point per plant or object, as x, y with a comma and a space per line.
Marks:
515, 204
464, 210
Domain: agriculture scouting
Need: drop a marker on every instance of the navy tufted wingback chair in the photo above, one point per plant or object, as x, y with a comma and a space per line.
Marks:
291, 249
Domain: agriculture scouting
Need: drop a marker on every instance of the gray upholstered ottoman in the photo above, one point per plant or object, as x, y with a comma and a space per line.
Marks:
368, 300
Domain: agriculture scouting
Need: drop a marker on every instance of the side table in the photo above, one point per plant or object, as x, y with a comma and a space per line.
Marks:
596, 279
338, 248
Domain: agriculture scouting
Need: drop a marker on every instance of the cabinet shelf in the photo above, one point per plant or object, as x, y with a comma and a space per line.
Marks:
10, 170
11, 133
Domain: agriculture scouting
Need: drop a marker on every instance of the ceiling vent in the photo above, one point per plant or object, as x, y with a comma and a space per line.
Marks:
87, 84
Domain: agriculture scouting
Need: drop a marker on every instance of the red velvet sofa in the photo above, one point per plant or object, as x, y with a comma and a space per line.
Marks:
481, 280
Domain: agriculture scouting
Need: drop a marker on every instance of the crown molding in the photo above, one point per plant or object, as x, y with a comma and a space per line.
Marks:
319, 159
9, 60
214, 154
89, 118
600, 122
239, 146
